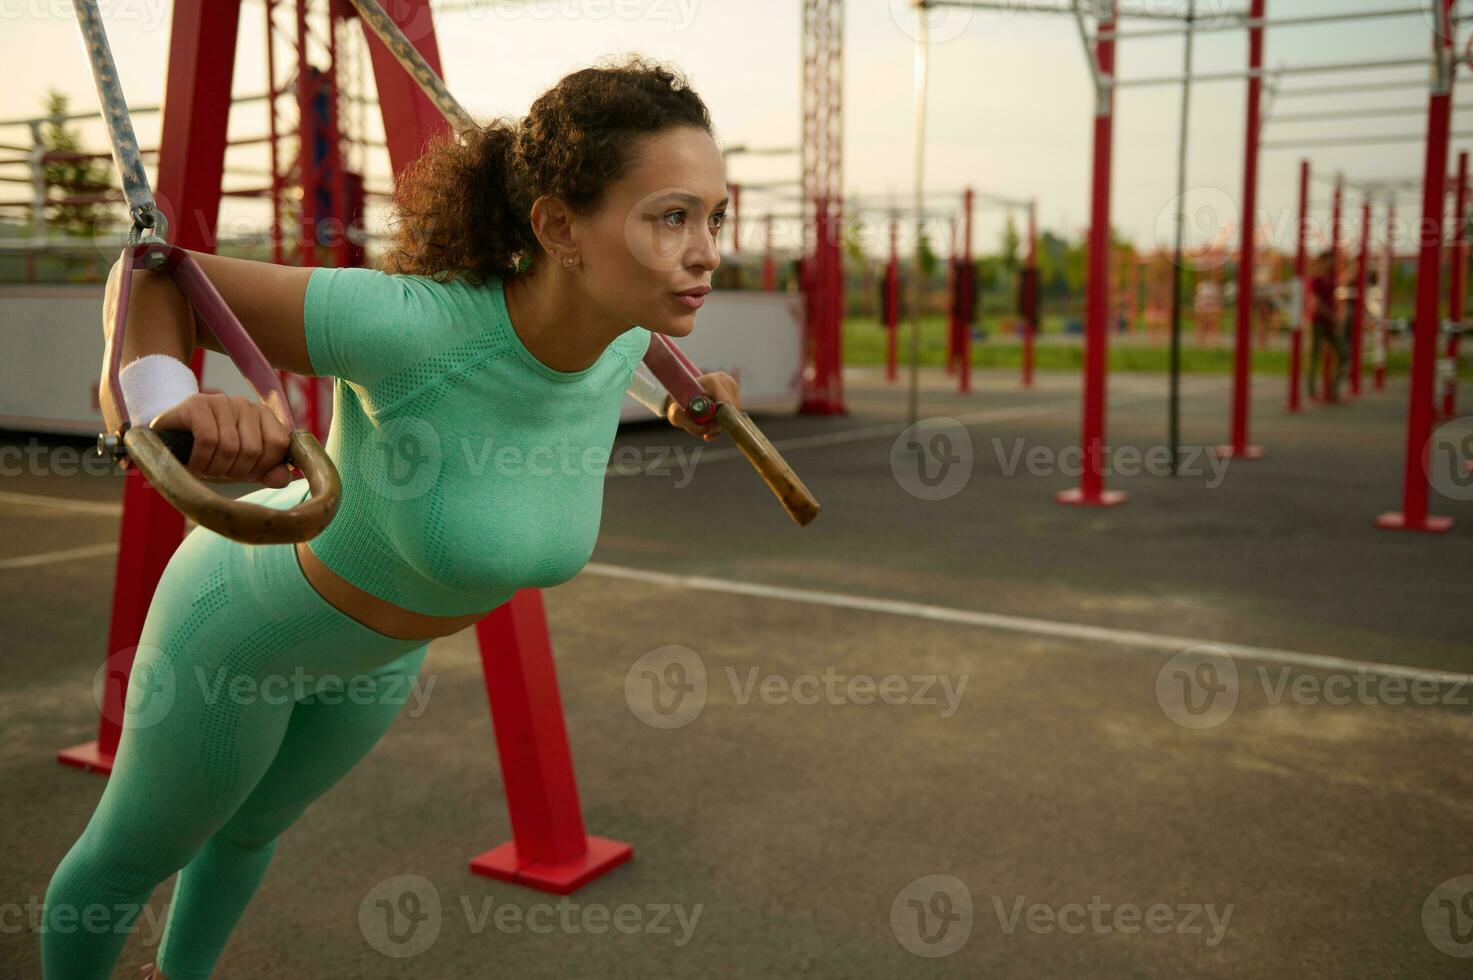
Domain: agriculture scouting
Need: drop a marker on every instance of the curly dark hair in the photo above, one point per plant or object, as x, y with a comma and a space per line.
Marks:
463, 209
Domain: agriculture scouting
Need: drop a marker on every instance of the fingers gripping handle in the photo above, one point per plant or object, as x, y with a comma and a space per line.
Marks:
251, 523
678, 375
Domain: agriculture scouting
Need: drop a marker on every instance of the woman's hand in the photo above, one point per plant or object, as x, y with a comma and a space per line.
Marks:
720, 386
235, 439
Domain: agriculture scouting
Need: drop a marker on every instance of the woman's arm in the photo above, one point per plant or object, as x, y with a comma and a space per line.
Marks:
266, 298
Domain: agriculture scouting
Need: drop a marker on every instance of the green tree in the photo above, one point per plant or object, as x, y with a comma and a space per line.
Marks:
1010, 245
72, 177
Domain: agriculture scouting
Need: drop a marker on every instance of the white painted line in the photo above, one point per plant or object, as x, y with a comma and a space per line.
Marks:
894, 428
60, 503
1022, 624
51, 557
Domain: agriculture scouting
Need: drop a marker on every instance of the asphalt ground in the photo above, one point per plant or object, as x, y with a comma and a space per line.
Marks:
951, 728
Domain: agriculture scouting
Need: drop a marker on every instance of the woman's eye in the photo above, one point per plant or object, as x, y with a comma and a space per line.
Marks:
719, 218
678, 215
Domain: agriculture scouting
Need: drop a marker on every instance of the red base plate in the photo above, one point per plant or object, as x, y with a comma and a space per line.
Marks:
1228, 452
1107, 498
86, 756
561, 879
1395, 521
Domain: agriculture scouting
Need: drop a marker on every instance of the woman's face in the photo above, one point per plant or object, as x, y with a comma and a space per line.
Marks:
656, 234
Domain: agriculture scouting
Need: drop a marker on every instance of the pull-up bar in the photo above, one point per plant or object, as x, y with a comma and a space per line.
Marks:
1021, 7
1238, 21
1256, 73
1354, 140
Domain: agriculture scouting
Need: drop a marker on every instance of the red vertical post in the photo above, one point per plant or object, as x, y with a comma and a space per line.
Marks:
1301, 272
1091, 490
1031, 283
892, 298
1383, 336
1413, 515
1458, 298
952, 342
1363, 278
964, 285
549, 849
1243, 355
191, 162
736, 219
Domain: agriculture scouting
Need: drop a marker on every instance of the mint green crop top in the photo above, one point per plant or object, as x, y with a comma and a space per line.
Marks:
470, 469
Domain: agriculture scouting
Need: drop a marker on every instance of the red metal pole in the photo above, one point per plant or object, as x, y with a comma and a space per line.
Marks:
1457, 301
892, 299
1030, 326
1243, 355
1091, 490
965, 293
1301, 272
1387, 294
1413, 515
1358, 324
736, 219
191, 162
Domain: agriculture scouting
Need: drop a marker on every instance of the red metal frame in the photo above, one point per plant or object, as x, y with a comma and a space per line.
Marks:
1031, 321
1414, 515
1091, 490
1358, 321
1301, 270
1239, 448
1459, 286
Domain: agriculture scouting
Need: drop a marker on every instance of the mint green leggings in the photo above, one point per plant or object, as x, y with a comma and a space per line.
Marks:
250, 696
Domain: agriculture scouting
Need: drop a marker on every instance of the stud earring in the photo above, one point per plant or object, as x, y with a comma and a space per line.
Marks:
568, 263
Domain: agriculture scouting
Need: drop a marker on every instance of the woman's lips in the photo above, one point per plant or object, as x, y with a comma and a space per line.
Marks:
694, 302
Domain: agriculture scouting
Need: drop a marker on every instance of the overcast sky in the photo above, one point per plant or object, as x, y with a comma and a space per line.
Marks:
1010, 96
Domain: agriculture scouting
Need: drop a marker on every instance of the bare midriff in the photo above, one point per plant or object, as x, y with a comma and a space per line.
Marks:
373, 612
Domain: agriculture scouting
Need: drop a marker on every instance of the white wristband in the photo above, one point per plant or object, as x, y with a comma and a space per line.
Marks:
154, 384
646, 389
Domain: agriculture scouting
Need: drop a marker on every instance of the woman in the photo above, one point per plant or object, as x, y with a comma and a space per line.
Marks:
531, 265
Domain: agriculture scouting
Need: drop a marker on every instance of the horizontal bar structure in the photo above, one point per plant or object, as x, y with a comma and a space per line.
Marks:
1229, 22
1237, 76
1354, 140
1393, 85
1034, 7
1355, 114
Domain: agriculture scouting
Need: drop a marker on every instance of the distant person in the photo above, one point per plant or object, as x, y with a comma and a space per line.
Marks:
1323, 320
